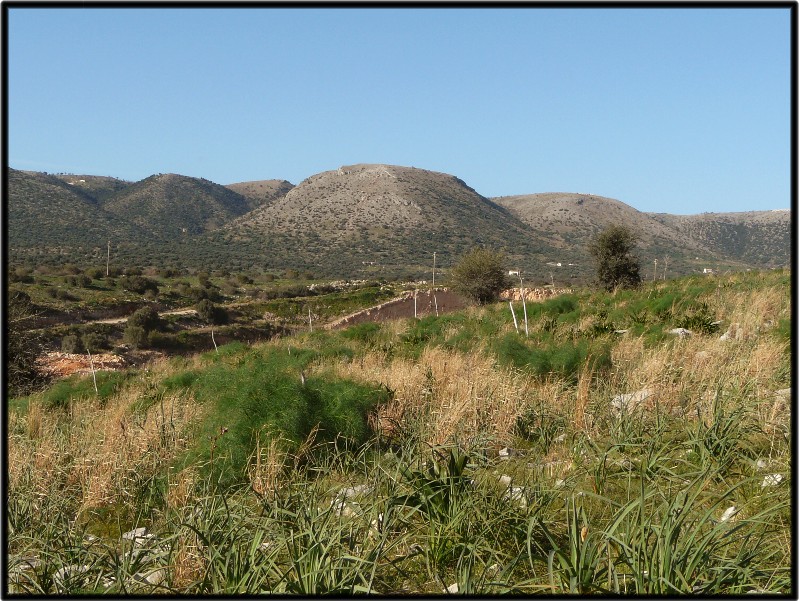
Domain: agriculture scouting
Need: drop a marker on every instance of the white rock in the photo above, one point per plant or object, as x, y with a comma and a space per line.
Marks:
66, 572
730, 511
452, 589
630, 401
516, 493
680, 332
343, 508
505, 480
155, 577
135, 533
560, 438
761, 463
771, 480
506, 452
354, 491
620, 331
29, 563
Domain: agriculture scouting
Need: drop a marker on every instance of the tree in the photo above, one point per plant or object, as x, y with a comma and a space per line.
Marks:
211, 313
480, 275
616, 265
146, 318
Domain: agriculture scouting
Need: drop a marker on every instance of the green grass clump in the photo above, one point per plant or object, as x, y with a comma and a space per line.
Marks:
78, 387
564, 360
362, 332
256, 390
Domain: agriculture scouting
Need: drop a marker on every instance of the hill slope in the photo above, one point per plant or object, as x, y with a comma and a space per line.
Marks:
261, 192
363, 220
384, 214
46, 215
170, 205
687, 243
98, 187
760, 238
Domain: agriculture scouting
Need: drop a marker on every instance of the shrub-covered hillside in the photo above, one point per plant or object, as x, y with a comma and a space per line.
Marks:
632, 443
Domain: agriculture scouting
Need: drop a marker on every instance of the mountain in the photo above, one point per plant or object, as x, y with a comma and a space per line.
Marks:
383, 215
364, 220
48, 216
170, 205
261, 192
98, 187
574, 219
760, 238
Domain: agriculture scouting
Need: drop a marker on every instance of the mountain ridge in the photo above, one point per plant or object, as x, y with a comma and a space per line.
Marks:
366, 218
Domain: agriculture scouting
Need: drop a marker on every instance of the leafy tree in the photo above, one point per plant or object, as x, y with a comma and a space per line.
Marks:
138, 284
480, 275
616, 265
22, 346
211, 313
136, 336
146, 318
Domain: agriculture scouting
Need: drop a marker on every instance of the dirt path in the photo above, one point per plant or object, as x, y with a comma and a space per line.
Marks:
443, 301
124, 319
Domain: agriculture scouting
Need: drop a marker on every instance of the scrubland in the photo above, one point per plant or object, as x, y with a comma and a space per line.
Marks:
598, 454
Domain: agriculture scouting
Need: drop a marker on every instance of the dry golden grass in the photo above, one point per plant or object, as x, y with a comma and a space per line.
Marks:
94, 446
450, 396
268, 462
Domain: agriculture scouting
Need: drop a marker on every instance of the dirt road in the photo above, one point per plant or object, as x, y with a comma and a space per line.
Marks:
124, 319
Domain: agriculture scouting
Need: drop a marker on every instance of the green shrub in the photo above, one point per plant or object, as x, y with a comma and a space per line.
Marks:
266, 390
138, 284
616, 265
69, 344
560, 304
93, 341
480, 275
135, 336
362, 332
77, 387
146, 318
564, 360
211, 313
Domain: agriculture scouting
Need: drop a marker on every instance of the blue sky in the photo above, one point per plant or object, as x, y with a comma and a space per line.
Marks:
668, 110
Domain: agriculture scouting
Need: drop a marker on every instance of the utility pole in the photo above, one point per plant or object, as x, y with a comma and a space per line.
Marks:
435, 300
665, 267
108, 259
524, 304
654, 275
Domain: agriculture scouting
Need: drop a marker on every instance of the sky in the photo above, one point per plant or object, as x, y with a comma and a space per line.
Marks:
674, 110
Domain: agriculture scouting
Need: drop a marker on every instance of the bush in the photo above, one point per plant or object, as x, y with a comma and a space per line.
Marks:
80, 280
480, 275
211, 313
21, 274
135, 336
146, 318
69, 344
93, 342
95, 273
616, 266
138, 284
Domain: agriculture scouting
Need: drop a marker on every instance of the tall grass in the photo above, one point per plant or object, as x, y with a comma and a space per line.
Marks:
367, 460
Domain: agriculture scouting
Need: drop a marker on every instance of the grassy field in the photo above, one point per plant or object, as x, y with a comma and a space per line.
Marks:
599, 454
